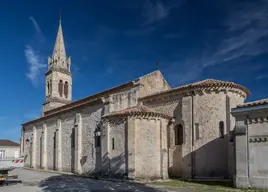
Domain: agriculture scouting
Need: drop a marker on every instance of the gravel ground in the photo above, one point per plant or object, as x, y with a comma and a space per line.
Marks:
34, 181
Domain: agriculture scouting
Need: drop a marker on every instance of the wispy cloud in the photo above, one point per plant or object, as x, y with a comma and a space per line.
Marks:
154, 11
263, 76
247, 28
36, 26
35, 63
34, 58
245, 36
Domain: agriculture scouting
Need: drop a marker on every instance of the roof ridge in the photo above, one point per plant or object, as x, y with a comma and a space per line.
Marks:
253, 103
204, 83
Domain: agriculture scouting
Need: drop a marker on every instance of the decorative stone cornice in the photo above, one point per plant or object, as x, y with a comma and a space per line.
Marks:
55, 99
259, 119
58, 69
258, 139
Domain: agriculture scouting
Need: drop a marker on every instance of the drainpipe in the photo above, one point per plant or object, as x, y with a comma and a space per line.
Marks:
192, 144
248, 175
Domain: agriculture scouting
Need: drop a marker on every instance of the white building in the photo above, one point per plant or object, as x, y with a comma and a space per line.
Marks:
9, 149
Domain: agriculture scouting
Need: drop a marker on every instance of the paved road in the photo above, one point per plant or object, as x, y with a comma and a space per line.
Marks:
33, 181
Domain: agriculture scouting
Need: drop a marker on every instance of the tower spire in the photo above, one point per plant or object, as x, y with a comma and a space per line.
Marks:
59, 52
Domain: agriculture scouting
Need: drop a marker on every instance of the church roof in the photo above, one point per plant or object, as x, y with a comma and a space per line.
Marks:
254, 103
208, 83
137, 111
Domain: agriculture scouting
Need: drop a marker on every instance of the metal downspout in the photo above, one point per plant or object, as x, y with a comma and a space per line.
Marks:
248, 175
192, 145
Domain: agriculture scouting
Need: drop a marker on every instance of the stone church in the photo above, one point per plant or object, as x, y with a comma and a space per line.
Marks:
141, 129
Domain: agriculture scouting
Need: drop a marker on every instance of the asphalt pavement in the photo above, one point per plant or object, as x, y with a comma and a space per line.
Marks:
35, 181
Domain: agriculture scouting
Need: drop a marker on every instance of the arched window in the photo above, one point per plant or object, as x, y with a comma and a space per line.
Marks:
60, 87
178, 134
66, 89
221, 129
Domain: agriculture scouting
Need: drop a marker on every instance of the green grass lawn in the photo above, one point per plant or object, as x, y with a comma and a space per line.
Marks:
204, 186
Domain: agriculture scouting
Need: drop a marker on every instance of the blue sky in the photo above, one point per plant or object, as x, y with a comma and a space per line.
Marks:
112, 42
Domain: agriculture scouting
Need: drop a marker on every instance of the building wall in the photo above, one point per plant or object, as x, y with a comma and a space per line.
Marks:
51, 127
251, 148
10, 151
197, 157
68, 151
147, 149
211, 151
118, 155
258, 149
90, 156
150, 148
27, 147
38, 145
152, 83
232, 100
180, 163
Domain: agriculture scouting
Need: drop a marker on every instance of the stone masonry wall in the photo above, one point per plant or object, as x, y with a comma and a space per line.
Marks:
68, 153
181, 109
38, 144
211, 151
90, 158
148, 160
233, 99
152, 83
118, 153
51, 127
27, 149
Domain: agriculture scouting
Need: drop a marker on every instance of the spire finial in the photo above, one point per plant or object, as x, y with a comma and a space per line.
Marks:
60, 16
156, 63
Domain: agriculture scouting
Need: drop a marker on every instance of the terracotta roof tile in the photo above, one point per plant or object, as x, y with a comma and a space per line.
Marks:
137, 110
208, 83
5, 142
254, 103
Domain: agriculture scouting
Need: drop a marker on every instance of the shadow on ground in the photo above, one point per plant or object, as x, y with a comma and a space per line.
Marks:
226, 183
66, 183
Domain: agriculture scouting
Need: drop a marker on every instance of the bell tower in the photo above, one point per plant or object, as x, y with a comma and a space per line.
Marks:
58, 76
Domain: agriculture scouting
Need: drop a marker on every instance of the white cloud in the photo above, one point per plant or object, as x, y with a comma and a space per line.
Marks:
35, 63
36, 26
